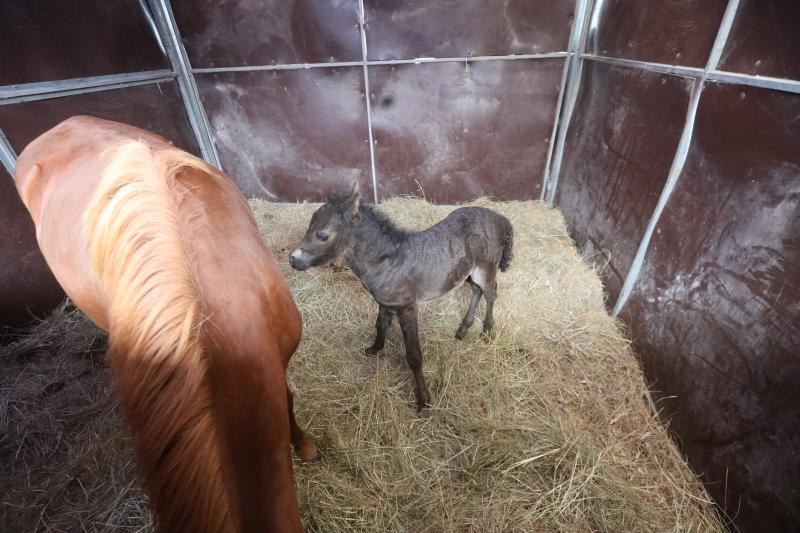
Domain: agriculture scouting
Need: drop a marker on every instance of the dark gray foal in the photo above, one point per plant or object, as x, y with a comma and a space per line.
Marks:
401, 268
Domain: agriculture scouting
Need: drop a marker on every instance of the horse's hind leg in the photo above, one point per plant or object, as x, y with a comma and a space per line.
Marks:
303, 447
469, 318
381, 326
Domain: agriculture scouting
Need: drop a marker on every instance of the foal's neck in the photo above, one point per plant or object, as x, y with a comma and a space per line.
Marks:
375, 239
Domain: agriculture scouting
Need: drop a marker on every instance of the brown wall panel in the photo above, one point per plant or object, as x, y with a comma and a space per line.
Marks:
293, 134
225, 33
463, 131
27, 287
52, 39
675, 32
154, 107
715, 313
619, 148
447, 28
765, 39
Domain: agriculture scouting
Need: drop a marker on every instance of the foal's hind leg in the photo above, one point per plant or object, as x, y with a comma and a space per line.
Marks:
303, 447
486, 279
469, 318
381, 326
490, 293
408, 323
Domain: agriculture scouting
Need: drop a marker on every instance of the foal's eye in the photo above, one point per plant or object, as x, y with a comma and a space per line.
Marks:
321, 236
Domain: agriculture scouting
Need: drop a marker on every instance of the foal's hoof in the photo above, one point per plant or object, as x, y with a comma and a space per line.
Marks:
372, 350
422, 406
460, 335
306, 451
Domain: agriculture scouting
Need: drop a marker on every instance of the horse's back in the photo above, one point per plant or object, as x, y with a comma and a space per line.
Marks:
240, 283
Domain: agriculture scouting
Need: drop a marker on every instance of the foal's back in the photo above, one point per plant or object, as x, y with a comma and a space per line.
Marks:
469, 241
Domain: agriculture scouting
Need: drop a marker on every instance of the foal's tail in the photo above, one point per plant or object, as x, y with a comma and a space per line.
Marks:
508, 244
133, 233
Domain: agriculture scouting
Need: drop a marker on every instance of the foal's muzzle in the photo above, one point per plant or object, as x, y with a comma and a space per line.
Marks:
297, 262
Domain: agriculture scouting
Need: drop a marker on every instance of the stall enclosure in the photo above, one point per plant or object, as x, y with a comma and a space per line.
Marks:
667, 133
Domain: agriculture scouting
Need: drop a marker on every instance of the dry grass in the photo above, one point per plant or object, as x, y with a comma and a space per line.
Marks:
544, 428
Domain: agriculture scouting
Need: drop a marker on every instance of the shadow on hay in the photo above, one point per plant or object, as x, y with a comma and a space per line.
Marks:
66, 463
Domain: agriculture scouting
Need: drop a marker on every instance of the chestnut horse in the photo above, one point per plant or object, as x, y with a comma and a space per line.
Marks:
162, 252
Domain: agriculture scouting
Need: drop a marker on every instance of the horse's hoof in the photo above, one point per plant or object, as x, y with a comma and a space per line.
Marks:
307, 451
460, 335
371, 351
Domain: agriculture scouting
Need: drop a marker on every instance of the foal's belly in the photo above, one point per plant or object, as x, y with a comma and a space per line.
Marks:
444, 282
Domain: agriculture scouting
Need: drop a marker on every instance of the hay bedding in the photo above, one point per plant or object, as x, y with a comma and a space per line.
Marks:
543, 428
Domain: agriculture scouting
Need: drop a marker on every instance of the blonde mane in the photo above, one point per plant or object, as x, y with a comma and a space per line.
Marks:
132, 231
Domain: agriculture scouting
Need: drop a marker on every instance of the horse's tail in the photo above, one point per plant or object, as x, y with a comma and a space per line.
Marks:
137, 252
508, 244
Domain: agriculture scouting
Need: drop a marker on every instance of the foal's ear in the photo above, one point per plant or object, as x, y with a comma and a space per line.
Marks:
350, 206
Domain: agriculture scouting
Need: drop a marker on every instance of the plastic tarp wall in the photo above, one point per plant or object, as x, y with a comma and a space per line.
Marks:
294, 100
681, 173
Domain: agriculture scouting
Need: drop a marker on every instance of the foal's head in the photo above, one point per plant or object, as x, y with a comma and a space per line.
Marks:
327, 238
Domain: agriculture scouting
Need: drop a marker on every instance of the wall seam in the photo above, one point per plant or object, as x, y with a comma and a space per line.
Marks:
721, 76
679, 159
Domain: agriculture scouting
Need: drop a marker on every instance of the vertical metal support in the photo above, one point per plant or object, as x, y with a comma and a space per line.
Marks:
569, 96
152, 23
362, 28
556, 120
167, 27
8, 157
680, 155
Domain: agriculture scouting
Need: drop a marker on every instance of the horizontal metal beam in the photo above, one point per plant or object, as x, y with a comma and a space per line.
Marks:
72, 92
721, 76
378, 63
258, 68
22, 90
764, 82
691, 72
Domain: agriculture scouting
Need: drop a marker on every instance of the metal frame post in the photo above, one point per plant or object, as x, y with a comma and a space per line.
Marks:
680, 155
8, 157
165, 22
568, 98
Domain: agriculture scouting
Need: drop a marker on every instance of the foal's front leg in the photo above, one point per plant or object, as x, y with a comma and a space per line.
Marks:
381, 327
408, 323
